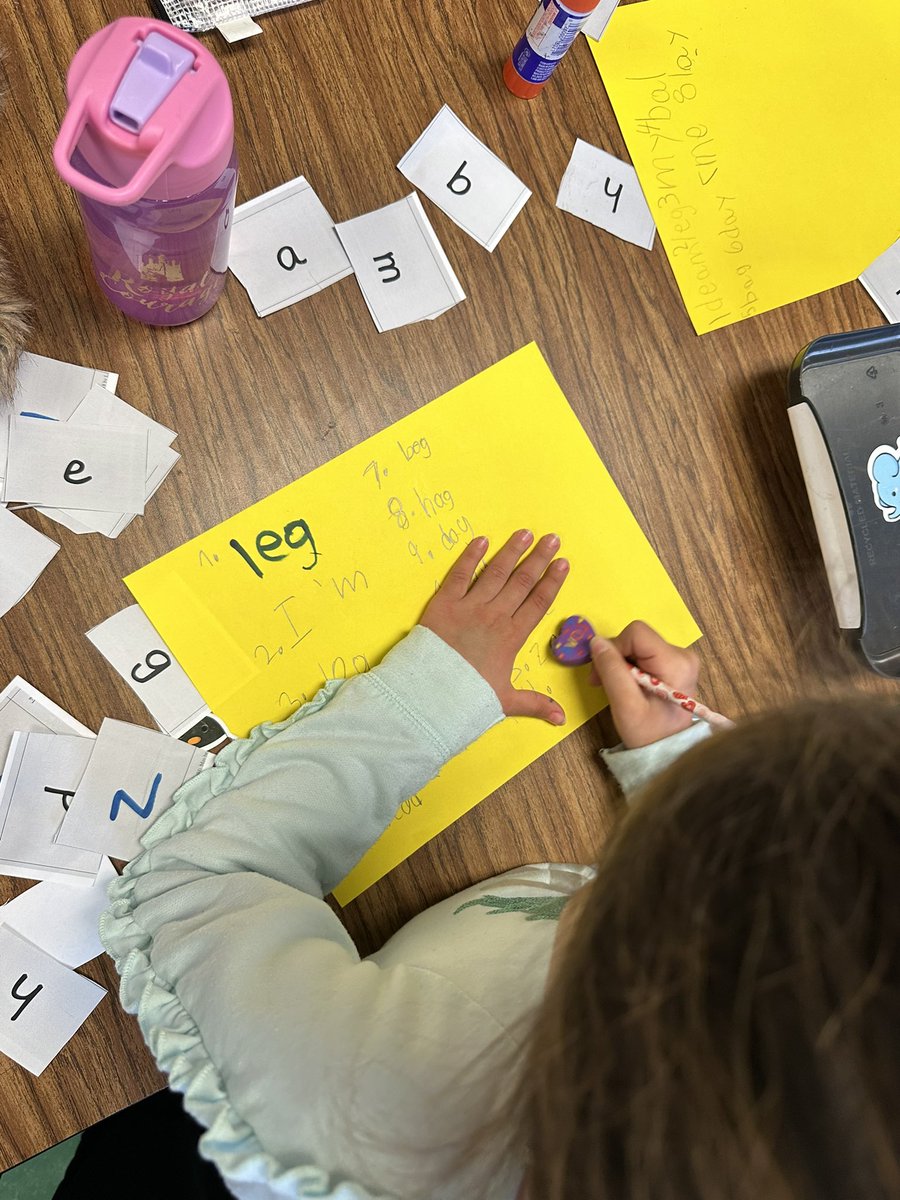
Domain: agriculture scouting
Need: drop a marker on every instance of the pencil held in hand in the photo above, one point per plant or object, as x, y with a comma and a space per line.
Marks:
656, 687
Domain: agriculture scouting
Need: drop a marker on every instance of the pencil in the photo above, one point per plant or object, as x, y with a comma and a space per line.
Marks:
657, 688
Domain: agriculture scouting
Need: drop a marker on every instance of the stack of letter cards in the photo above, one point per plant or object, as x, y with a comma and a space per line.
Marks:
68, 802
76, 452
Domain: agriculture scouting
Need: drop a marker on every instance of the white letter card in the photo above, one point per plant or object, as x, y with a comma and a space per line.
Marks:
130, 780
465, 179
42, 1003
401, 268
600, 188
134, 649
284, 247
40, 775
64, 465
24, 708
24, 553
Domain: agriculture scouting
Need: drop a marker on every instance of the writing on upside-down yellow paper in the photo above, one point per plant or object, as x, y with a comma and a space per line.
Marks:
321, 578
763, 136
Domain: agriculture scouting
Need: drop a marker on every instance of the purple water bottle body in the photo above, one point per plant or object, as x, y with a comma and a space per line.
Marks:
163, 262
147, 142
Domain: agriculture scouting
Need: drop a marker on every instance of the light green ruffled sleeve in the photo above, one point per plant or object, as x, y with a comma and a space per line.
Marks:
635, 768
249, 991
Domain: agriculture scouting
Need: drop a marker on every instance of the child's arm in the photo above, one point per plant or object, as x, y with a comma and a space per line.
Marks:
654, 732
248, 989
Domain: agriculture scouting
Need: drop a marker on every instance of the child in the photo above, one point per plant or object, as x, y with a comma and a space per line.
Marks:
317, 1074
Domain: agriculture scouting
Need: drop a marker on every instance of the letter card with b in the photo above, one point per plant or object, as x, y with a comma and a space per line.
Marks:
321, 578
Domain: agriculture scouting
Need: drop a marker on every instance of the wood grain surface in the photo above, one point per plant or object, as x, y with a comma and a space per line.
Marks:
694, 430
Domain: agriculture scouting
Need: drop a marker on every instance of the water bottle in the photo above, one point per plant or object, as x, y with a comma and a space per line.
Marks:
147, 143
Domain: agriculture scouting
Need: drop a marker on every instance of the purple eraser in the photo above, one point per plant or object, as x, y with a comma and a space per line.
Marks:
572, 645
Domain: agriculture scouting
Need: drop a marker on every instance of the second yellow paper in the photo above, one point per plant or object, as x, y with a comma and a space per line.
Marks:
322, 577
763, 136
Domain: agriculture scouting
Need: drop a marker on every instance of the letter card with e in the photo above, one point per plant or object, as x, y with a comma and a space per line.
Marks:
321, 578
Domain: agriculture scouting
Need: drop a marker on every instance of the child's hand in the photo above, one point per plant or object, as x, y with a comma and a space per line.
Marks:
488, 620
639, 717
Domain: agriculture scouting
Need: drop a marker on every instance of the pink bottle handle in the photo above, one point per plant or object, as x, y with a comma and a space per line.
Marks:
70, 132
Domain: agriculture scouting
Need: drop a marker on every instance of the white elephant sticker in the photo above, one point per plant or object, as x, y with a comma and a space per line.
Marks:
884, 471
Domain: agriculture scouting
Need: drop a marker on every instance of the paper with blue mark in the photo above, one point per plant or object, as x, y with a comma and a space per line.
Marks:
130, 779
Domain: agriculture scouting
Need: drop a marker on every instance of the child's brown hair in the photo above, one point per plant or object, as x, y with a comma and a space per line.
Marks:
724, 1023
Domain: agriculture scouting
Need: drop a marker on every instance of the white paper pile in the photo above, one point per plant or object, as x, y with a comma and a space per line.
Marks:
40, 775
75, 451
93, 471
67, 798
51, 928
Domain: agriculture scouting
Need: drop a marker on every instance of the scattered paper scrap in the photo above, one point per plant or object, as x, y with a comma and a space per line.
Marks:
40, 776
130, 779
284, 247
64, 465
238, 28
881, 279
261, 609
24, 553
134, 650
23, 709
597, 22
402, 270
600, 188
465, 179
62, 920
53, 388
768, 182
43, 1004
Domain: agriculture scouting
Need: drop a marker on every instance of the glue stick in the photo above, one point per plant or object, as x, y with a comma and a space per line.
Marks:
551, 31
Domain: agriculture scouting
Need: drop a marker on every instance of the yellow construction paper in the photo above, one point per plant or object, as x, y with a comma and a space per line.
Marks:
763, 135
345, 559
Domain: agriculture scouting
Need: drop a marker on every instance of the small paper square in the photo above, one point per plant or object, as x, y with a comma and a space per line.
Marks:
238, 28
53, 388
595, 26
24, 553
600, 188
76, 466
130, 780
62, 920
284, 247
40, 776
24, 708
882, 281
42, 1003
465, 179
134, 649
401, 268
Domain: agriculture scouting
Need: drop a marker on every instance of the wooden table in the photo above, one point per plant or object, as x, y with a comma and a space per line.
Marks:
693, 430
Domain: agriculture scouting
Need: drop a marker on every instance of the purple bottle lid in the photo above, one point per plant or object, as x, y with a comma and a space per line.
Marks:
153, 72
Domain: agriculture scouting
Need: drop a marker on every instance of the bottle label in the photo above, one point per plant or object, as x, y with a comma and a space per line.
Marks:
550, 33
